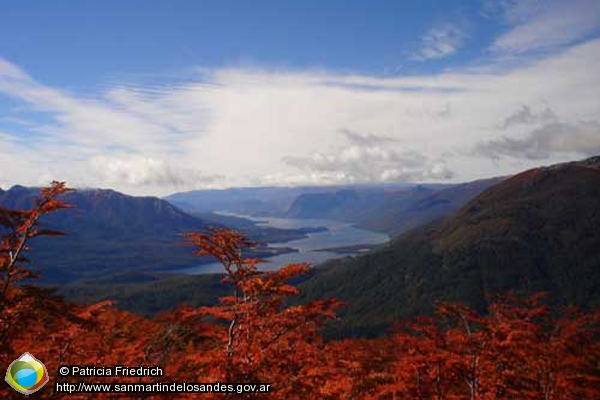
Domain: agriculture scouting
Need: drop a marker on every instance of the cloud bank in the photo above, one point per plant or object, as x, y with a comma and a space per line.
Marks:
248, 126
581, 138
369, 158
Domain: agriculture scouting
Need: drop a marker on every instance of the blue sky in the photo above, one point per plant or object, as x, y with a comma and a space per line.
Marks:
73, 44
156, 96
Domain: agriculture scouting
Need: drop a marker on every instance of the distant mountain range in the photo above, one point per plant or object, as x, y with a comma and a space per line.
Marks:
125, 243
257, 201
536, 231
392, 211
391, 208
111, 233
265, 201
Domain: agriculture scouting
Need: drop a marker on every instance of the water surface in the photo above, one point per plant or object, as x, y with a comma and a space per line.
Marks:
338, 234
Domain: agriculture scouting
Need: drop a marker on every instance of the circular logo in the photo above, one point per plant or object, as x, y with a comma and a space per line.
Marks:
26, 374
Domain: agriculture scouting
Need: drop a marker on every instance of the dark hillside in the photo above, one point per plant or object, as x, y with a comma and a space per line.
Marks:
537, 231
107, 232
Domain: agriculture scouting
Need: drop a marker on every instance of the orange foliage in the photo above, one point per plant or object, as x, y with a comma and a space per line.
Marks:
518, 350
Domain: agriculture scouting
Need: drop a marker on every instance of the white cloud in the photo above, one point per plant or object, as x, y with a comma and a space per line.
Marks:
537, 25
369, 158
440, 41
143, 171
580, 138
243, 126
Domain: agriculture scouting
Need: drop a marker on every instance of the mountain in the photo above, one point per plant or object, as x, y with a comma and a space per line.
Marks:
257, 201
107, 232
536, 231
388, 208
342, 204
108, 210
392, 211
110, 233
248, 201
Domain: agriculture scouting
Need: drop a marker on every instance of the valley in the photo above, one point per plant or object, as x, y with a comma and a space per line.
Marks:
460, 242
328, 239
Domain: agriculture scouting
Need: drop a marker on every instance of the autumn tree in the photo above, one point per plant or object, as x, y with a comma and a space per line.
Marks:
265, 342
36, 320
17, 227
518, 349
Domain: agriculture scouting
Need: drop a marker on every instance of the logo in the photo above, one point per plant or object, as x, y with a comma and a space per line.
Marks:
27, 374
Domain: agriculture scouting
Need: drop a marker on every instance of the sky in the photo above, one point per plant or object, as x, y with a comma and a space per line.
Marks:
154, 97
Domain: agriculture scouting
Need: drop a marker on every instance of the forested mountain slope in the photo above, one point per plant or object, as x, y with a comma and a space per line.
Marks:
536, 231
107, 232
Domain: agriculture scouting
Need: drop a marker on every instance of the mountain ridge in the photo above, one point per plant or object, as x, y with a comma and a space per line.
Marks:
390, 211
535, 231
106, 232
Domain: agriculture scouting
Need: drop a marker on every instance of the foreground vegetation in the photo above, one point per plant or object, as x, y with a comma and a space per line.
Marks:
517, 349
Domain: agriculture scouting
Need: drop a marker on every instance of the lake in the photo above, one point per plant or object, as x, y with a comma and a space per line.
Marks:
338, 234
